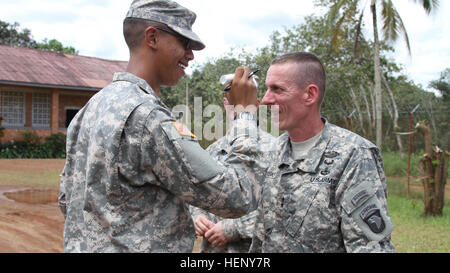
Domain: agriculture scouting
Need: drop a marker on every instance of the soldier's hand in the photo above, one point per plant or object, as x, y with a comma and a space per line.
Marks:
216, 235
243, 90
202, 225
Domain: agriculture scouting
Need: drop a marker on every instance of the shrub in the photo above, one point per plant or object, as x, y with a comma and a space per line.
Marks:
53, 146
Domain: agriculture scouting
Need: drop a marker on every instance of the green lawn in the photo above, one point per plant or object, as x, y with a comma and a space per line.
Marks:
414, 233
30, 179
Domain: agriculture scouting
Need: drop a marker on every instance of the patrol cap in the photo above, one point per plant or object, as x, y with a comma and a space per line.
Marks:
175, 16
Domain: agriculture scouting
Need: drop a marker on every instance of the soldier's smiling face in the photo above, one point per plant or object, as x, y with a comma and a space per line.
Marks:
283, 91
176, 56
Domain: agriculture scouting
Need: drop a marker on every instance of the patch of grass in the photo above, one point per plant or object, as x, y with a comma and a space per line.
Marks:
30, 178
397, 165
398, 186
414, 233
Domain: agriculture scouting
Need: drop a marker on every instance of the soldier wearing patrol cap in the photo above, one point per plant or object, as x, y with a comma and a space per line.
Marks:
131, 168
327, 191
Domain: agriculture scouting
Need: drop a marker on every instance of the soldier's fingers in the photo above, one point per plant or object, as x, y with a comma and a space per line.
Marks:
200, 228
217, 242
213, 239
209, 233
206, 223
200, 231
210, 225
220, 243
203, 224
246, 73
238, 73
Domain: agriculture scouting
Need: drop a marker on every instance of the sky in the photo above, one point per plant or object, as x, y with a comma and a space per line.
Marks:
94, 28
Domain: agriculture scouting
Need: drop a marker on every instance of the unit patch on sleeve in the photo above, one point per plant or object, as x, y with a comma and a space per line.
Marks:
372, 217
183, 130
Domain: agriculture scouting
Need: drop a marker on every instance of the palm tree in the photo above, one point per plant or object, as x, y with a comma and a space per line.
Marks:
392, 27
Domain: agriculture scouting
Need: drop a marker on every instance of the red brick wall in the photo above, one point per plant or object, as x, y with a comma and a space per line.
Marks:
75, 100
70, 101
16, 134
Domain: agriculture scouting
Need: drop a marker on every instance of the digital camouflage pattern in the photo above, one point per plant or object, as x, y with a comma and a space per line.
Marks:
332, 200
170, 13
129, 172
239, 231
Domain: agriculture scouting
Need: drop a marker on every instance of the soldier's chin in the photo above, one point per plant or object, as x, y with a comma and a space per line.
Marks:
173, 82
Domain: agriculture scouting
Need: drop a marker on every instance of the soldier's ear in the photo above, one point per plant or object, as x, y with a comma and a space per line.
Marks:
151, 37
311, 94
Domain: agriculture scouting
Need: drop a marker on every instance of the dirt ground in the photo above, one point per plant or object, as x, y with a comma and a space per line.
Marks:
25, 225
30, 227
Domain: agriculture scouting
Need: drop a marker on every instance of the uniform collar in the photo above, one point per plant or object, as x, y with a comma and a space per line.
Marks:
311, 161
128, 77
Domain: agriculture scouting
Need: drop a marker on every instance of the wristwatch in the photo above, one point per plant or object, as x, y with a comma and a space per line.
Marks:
245, 115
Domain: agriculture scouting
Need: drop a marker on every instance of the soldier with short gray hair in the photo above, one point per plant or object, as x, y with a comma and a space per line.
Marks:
327, 192
131, 168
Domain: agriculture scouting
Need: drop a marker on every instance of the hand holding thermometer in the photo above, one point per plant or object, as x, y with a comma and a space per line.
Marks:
227, 79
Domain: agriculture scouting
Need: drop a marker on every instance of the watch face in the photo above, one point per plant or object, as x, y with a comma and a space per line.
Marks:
245, 115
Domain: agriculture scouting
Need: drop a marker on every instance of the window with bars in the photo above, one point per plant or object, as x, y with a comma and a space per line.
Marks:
12, 108
41, 110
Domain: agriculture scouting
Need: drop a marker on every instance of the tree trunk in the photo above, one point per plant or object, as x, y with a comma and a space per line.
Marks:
358, 109
394, 105
440, 177
369, 116
433, 166
377, 71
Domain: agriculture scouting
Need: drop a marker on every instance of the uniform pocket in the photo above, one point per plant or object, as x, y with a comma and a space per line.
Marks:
301, 200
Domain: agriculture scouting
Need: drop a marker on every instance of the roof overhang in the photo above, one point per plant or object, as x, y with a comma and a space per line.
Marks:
43, 85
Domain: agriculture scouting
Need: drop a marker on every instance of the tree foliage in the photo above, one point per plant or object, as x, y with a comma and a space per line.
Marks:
11, 35
443, 84
56, 46
391, 25
349, 81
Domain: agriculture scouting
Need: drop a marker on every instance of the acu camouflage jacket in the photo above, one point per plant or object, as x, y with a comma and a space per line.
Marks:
130, 168
332, 200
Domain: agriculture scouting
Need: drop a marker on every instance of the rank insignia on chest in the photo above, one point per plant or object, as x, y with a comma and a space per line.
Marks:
331, 154
183, 130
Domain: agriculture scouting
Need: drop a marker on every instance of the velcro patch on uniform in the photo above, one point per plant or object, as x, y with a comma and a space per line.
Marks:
360, 196
183, 130
372, 217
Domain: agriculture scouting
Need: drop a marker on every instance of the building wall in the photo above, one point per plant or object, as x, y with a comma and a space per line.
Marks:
16, 134
61, 100
70, 101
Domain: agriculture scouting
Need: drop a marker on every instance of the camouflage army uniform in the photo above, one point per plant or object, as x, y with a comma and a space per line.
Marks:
130, 168
332, 200
239, 232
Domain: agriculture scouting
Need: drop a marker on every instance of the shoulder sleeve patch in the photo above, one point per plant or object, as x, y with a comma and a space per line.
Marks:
372, 220
361, 204
182, 129
199, 164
